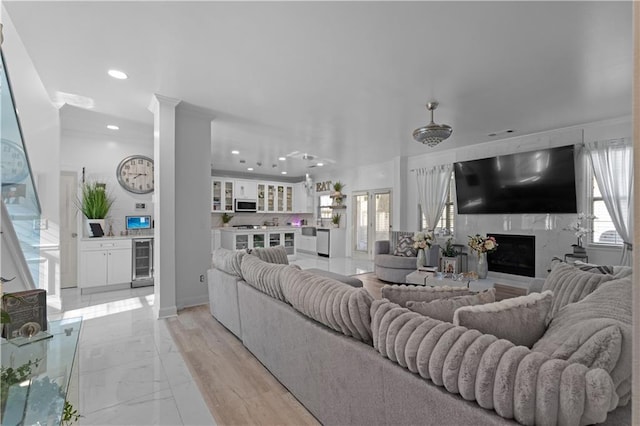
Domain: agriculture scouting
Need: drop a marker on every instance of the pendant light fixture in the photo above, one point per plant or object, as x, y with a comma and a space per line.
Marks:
432, 134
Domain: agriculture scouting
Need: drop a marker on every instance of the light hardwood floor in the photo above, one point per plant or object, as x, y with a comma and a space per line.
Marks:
237, 389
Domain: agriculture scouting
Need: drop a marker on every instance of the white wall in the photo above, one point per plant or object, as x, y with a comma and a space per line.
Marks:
192, 204
551, 239
99, 151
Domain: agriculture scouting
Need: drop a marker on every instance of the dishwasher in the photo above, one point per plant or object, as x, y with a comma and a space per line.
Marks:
322, 242
142, 262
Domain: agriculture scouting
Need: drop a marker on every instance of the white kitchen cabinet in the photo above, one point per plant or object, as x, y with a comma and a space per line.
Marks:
245, 189
307, 244
104, 262
242, 240
221, 195
302, 203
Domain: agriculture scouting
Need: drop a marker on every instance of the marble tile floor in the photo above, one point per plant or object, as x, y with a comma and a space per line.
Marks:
131, 372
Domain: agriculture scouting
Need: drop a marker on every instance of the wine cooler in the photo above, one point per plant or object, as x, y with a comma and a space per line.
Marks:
142, 273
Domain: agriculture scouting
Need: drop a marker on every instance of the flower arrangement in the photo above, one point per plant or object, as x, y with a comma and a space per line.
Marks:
449, 250
578, 227
422, 240
481, 244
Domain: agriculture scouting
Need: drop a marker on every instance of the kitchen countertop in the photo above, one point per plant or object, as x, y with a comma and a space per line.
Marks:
262, 229
116, 237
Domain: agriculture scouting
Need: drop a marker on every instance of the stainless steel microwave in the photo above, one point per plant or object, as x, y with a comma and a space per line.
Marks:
250, 206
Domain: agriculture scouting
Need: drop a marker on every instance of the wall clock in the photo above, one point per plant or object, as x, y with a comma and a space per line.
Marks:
14, 163
135, 174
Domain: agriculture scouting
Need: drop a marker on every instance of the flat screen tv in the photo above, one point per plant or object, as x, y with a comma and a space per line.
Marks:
541, 181
138, 222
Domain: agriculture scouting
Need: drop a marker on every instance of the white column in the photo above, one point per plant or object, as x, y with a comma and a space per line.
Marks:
164, 202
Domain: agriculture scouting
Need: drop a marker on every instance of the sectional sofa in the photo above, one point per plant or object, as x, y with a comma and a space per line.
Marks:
350, 359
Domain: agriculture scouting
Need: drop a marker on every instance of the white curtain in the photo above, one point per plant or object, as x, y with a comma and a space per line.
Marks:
612, 162
433, 184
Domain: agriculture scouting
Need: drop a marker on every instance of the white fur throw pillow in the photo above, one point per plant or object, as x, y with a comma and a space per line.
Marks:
228, 261
401, 294
521, 320
569, 285
443, 309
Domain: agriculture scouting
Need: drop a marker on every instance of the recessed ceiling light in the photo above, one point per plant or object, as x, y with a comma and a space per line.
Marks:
250, 169
283, 173
320, 164
282, 158
112, 127
234, 152
118, 74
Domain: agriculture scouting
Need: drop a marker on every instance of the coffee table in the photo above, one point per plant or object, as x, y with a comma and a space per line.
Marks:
428, 278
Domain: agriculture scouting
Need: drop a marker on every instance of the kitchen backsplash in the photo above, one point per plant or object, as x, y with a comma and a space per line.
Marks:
261, 218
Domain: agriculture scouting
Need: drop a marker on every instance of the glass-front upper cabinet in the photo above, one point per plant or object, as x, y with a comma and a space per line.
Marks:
280, 198
216, 195
228, 196
289, 198
261, 196
271, 198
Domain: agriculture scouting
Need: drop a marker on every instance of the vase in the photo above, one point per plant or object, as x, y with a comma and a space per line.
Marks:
483, 267
421, 260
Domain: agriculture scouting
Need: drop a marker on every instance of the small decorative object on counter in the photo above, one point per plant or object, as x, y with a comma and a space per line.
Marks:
226, 218
482, 245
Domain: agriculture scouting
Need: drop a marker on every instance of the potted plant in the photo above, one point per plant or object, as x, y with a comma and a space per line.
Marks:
449, 260
95, 204
335, 219
226, 218
337, 192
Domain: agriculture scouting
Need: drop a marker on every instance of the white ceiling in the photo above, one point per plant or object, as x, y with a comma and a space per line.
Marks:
344, 81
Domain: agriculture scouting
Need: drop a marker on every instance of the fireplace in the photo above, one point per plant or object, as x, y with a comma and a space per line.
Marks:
516, 255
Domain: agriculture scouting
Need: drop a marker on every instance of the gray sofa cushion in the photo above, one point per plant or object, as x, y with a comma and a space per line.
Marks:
512, 380
353, 282
521, 320
443, 309
264, 276
330, 302
395, 262
228, 261
596, 332
570, 285
401, 294
277, 254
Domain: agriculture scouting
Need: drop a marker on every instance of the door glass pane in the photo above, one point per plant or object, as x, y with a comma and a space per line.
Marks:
383, 216
362, 220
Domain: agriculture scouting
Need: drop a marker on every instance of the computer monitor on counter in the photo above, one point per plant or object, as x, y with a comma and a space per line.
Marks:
138, 222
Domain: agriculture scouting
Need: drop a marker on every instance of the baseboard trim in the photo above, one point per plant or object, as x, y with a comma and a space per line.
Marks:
167, 312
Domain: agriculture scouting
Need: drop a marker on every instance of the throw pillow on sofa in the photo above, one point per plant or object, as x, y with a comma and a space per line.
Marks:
405, 247
570, 285
596, 332
337, 305
443, 309
521, 320
277, 254
228, 261
401, 294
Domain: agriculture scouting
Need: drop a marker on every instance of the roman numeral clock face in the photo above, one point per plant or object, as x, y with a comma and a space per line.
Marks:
135, 174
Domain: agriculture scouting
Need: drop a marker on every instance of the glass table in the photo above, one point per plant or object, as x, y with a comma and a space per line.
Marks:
37, 378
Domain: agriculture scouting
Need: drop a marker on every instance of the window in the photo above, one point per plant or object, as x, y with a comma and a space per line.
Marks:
324, 209
446, 223
603, 230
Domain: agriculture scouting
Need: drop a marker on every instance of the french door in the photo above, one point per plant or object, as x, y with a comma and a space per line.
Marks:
372, 220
